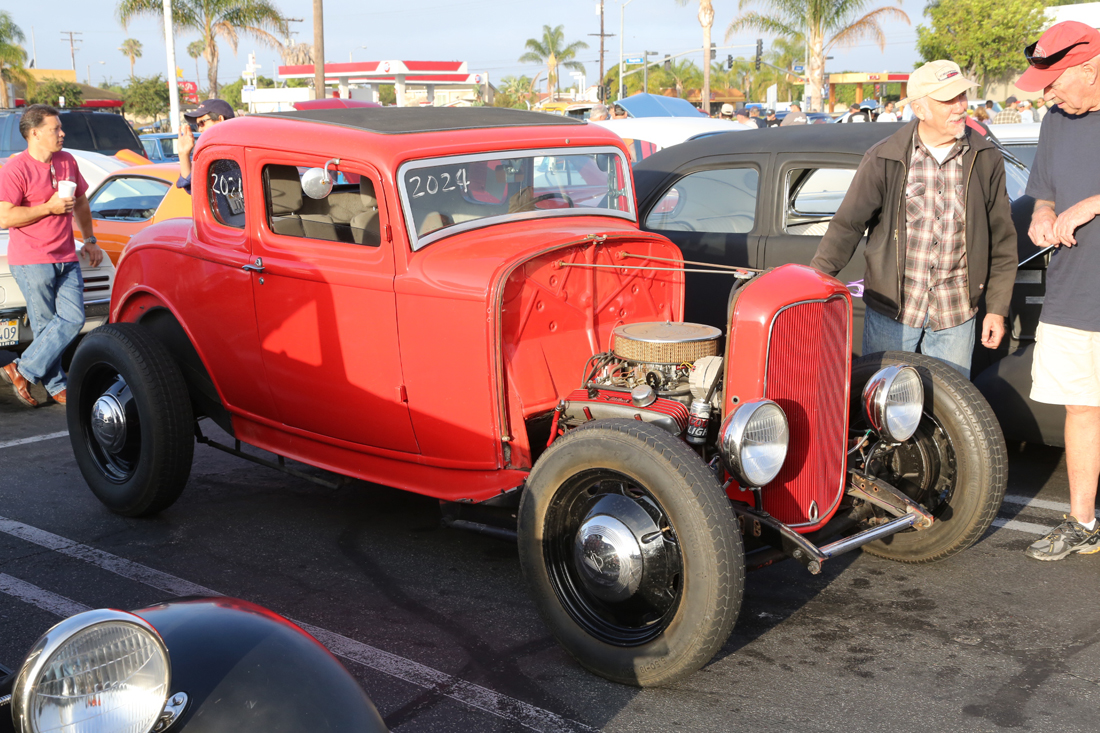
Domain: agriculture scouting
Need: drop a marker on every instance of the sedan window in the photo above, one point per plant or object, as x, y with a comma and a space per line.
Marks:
813, 197
129, 198
721, 200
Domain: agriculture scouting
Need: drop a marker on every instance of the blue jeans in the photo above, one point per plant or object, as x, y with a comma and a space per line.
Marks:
55, 303
952, 345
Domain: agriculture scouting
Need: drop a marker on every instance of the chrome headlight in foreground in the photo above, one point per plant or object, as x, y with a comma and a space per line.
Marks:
753, 442
893, 401
101, 671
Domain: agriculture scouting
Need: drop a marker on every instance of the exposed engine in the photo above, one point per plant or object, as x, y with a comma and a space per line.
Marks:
665, 373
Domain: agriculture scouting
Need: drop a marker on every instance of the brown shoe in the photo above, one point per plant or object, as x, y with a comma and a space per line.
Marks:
20, 385
59, 398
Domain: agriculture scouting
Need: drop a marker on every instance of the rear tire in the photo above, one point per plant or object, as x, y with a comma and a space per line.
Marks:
955, 466
689, 592
141, 469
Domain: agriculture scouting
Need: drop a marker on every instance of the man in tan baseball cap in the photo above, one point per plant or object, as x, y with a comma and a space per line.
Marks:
931, 199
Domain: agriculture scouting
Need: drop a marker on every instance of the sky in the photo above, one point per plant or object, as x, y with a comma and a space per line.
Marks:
487, 34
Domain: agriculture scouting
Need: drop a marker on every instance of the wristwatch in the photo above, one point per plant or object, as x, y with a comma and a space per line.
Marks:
90, 240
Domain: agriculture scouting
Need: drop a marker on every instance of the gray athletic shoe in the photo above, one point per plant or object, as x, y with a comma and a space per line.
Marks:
1068, 537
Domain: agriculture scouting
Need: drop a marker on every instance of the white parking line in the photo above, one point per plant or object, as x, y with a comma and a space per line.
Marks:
34, 439
1028, 501
44, 599
467, 693
1016, 524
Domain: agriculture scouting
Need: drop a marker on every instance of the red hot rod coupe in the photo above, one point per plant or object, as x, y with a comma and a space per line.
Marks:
460, 303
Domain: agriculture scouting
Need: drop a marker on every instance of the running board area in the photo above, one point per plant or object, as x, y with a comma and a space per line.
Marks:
907, 514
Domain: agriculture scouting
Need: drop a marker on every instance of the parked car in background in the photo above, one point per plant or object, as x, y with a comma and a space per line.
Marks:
1021, 139
765, 200
646, 135
131, 199
195, 664
475, 315
161, 147
99, 132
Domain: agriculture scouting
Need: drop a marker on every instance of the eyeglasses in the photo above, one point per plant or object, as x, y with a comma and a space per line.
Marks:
53, 176
1045, 62
202, 122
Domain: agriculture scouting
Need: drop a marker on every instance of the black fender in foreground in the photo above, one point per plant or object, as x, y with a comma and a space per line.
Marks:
1006, 384
246, 669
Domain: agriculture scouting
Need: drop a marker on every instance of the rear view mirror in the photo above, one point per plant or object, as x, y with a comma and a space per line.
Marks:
316, 182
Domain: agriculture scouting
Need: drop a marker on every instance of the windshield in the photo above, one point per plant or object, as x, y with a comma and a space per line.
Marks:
448, 195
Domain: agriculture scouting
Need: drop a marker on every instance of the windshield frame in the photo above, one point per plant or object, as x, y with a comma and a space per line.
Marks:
417, 242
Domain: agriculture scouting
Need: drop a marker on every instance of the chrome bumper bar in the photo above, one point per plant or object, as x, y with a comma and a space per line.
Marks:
907, 513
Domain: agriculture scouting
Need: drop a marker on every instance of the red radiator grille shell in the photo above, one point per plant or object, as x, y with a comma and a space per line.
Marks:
807, 375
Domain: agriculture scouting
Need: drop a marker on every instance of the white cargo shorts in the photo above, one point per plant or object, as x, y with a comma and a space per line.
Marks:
1066, 368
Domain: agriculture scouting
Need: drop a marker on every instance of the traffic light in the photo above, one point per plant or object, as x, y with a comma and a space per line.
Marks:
729, 62
713, 51
759, 52
601, 94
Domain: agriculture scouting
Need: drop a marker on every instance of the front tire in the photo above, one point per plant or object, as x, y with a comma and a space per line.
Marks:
130, 420
955, 465
649, 617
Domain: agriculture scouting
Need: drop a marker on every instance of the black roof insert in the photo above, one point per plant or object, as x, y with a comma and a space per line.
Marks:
403, 120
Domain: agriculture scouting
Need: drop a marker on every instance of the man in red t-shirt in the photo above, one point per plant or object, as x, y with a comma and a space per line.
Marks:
41, 190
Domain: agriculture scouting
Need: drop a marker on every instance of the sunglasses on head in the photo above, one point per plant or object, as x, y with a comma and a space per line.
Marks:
1045, 62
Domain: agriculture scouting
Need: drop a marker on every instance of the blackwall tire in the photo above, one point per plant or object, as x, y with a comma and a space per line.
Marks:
961, 437
663, 475
147, 471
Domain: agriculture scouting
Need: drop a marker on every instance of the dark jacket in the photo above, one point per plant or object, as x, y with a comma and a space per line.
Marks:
875, 204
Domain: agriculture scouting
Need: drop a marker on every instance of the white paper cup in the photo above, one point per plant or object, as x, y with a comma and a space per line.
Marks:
66, 189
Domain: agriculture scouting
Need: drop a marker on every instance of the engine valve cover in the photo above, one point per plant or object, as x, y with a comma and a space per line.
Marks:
664, 413
665, 343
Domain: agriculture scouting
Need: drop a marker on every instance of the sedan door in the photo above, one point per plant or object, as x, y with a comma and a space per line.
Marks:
711, 209
808, 191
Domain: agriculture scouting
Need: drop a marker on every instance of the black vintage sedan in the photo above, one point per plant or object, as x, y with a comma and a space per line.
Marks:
765, 197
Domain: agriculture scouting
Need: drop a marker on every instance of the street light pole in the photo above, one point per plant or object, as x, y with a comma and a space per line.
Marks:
318, 49
173, 83
622, 16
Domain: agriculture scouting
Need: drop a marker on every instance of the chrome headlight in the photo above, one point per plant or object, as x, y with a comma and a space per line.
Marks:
893, 401
753, 442
101, 671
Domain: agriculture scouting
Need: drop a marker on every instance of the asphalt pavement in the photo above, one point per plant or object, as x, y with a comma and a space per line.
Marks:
437, 626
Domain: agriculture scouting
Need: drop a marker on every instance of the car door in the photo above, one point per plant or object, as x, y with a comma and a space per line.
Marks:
326, 306
711, 209
808, 190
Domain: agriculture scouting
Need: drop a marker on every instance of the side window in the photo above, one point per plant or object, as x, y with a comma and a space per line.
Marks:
721, 201
813, 197
226, 186
128, 199
349, 214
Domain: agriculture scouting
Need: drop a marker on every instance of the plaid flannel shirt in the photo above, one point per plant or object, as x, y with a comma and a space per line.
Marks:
934, 283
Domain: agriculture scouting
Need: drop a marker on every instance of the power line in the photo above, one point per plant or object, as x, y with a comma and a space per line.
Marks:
72, 44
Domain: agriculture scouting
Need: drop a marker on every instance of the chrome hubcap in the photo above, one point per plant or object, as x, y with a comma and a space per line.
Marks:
109, 423
608, 558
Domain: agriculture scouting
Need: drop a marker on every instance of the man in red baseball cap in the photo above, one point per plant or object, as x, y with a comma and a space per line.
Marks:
1065, 65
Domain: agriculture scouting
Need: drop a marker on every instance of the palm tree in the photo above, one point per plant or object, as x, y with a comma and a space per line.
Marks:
552, 51
194, 50
706, 19
131, 49
810, 21
213, 19
680, 74
12, 56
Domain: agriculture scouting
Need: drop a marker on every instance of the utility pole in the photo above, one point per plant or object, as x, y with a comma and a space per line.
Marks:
318, 49
72, 44
34, 51
602, 35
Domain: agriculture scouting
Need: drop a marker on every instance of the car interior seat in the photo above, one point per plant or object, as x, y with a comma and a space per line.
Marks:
364, 225
285, 188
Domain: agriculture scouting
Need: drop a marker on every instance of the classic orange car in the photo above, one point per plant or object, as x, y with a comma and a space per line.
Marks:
131, 199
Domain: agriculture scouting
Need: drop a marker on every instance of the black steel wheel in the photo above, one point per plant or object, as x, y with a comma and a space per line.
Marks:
955, 465
631, 551
130, 420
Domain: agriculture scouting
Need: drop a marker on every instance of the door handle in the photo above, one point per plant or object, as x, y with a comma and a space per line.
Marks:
258, 266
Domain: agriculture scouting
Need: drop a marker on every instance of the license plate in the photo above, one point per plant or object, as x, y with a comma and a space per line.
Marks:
9, 332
